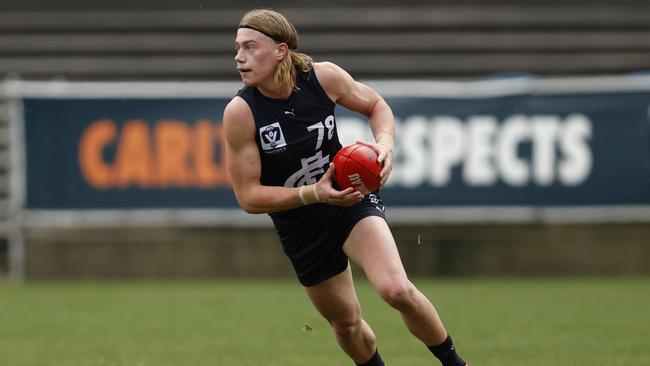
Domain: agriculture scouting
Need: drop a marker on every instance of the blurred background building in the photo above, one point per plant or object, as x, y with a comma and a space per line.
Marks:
381, 40
193, 40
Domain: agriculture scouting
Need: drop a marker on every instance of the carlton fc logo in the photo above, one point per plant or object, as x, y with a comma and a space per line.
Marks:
272, 137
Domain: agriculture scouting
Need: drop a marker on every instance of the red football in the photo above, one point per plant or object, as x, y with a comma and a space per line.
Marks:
356, 166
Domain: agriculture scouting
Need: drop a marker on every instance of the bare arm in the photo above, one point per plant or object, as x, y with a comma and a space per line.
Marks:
244, 167
358, 97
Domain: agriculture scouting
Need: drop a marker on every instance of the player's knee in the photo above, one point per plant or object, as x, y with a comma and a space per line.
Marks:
401, 295
346, 327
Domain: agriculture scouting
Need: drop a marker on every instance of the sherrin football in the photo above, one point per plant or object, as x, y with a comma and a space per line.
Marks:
356, 166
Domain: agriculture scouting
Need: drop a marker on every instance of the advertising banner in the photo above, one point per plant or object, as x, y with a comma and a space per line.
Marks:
520, 149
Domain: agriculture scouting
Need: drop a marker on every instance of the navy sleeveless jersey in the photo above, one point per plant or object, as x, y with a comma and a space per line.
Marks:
297, 139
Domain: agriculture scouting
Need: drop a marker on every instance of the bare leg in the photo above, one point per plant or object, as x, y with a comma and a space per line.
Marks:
337, 301
372, 246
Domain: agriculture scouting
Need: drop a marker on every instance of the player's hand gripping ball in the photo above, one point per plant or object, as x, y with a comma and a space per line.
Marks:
356, 166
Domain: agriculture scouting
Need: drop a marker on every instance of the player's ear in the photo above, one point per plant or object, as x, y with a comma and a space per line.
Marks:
281, 51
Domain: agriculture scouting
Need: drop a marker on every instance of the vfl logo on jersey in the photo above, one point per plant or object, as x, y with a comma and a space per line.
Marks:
272, 136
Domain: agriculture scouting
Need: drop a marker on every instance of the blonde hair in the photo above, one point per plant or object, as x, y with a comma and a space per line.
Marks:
277, 27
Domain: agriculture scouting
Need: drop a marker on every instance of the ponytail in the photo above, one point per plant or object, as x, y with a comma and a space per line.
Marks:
285, 75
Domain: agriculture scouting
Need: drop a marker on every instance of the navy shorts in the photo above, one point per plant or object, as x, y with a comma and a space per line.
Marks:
316, 252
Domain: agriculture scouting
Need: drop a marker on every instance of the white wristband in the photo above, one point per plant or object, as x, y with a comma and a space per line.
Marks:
385, 139
301, 193
308, 194
316, 193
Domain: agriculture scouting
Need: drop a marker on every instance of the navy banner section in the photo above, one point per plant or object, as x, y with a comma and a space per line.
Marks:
520, 150
567, 149
125, 153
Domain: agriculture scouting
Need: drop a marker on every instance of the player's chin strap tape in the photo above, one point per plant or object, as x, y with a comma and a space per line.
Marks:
274, 38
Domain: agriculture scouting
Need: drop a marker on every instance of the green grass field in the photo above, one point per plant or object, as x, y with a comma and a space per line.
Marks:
223, 323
